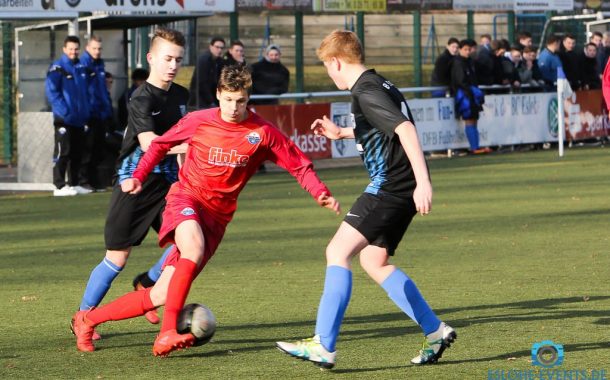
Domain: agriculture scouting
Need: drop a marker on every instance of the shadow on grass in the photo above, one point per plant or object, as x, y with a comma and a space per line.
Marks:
566, 347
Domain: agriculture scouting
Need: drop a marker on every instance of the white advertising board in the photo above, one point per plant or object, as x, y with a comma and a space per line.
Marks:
516, 5
505, 120
118, 5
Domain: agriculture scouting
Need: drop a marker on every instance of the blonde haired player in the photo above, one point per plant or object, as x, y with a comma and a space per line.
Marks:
399, 188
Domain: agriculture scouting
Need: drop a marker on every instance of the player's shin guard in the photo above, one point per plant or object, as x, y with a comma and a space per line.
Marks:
179, 287
99, 282
334, 301
402, 290
133, 304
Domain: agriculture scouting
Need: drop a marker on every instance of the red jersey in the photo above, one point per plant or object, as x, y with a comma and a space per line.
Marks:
222, 157
606, 85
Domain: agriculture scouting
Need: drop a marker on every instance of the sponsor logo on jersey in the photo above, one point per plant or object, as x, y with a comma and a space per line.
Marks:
253, 138
187, 211
233, 159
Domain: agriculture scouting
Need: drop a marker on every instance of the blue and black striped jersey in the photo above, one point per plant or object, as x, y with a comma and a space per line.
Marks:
378, 108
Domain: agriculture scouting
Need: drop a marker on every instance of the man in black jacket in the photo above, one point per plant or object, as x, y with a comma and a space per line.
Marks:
270, 76
441, 76
205, 77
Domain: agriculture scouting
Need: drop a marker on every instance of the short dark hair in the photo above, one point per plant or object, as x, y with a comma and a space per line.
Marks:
570, 36
453, 40
597, 33
486, 35
236, 43
108, 75
467, 42
217, 39
523, 34
552, 39
73, 39
591, 44
139, 74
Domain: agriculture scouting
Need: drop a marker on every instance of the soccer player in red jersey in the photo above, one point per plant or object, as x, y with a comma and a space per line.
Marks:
226, 147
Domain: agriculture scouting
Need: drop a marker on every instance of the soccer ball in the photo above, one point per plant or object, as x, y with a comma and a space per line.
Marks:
198, 320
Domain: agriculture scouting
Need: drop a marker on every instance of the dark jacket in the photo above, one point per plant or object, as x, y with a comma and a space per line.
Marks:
204, 82
463, 86
485, 66
66, 88
441, 75
269, 78
569, 62
99, 98
587, 70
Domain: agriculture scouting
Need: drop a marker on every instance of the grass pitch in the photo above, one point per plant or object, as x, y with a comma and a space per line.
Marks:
514, 252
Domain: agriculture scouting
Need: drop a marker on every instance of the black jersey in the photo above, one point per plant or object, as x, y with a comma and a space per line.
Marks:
378, 108
151, 109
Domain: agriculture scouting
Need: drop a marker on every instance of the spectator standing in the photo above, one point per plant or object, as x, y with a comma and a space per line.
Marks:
524, 39
485, 62
587, 68
100, 115
510, 61
529, 72
138, 77
603, 52
205, 78
569, 60
66, 88
270, 76
549, 61
441, 76
234, 55
468, 98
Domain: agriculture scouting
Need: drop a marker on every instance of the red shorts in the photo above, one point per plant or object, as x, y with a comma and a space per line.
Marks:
180, 206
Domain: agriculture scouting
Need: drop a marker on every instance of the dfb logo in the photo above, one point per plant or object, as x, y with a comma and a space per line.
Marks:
73, 3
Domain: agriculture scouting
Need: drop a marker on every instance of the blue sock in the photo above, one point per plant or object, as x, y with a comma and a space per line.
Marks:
402, 290
335, 298
155, 272
99, 282
472, 134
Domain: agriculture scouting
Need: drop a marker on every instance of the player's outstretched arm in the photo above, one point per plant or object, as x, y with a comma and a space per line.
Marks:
422, 196
131, 186
327, 128
329, 202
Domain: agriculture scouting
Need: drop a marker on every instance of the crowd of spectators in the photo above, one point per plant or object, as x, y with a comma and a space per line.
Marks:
498, 62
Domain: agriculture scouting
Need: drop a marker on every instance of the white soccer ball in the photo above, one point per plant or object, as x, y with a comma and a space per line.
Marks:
198, 320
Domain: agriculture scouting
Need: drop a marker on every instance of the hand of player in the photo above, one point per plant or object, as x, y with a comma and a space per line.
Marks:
329, 202
131, 186
422, 196
327, 128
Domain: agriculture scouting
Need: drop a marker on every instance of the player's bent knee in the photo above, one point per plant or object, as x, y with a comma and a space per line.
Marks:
118, 257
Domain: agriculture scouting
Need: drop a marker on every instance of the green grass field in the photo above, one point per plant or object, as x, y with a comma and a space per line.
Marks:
514, 252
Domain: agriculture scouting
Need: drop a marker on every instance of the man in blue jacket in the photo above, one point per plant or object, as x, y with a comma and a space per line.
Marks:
548, 60
101, 113
66, 88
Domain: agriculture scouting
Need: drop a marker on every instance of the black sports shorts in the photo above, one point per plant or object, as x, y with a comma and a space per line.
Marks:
130, 216
382, 218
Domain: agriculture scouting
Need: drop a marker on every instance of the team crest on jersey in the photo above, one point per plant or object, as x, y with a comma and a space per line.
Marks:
253, 138
187, 211
183, 109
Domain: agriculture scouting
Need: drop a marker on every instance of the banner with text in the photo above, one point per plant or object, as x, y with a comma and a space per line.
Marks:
586, 116
119, 5
294, 120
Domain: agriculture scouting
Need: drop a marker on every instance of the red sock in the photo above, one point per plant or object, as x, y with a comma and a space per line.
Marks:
179, 287
130, 305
